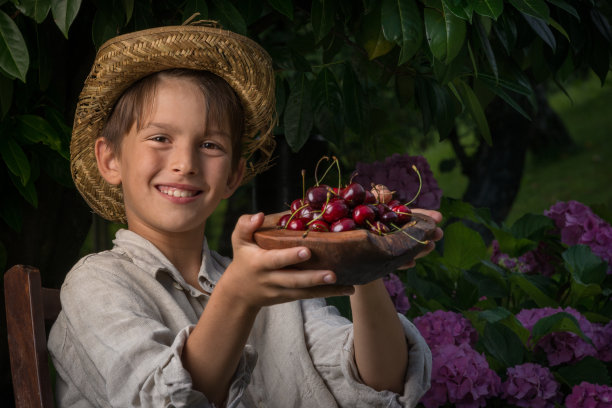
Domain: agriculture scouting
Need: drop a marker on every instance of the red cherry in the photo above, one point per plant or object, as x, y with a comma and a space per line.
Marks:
308, 213
282, 221
389, 217
382, 208
344, 224
319, 226
353, 194
393, 203
296, 225
317, 196
369, 198
297, 204
379, 228
363, 213
335, 210
404, 214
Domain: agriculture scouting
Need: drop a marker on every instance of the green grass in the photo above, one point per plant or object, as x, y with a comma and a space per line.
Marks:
584, 174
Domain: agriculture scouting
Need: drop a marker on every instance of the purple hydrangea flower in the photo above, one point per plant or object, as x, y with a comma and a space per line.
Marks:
397, 291
460, 376
446, 327
397, 174
537, 261
530, 385
602, 340
586, 395
578, 224
560, 347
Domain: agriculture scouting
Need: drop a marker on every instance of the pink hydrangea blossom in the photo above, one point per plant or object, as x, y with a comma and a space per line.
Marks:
578, 224
460, 376
560, 347
397, 174
397, 292
446, 327
602, 340
586, 395
537, 261
530, 385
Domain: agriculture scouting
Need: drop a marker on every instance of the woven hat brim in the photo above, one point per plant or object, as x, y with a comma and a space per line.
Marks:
122, 61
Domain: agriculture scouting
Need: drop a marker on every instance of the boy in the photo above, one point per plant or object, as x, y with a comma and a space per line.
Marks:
169, 123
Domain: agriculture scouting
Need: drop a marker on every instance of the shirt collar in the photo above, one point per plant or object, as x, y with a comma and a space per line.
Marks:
148, 257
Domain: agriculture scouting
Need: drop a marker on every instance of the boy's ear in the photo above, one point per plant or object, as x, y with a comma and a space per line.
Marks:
108, 163
234, 180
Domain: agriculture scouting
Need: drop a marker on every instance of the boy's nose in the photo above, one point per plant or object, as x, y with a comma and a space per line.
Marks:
184, 161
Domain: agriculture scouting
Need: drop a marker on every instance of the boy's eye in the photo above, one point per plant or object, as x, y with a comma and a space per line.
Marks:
159, 138
210, 145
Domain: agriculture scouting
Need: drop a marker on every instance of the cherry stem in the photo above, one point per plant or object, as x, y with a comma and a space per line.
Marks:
335, 161
293, 215
339, 173
303, 184
355, 174
404, 232
317, 169
322, 211
420, 185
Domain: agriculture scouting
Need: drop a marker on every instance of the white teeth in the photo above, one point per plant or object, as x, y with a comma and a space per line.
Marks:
175, 192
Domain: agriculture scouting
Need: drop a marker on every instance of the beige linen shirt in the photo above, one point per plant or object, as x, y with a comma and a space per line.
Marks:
127, 312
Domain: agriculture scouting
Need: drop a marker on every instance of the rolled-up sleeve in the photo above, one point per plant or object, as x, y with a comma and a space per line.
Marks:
329, 338
119, 343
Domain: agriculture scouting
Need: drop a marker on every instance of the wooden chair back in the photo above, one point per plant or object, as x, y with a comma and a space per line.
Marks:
30, 310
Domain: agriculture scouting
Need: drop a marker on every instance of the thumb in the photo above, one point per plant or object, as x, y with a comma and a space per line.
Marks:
245, 227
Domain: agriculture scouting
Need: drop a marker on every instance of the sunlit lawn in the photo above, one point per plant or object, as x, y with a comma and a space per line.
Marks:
584, 175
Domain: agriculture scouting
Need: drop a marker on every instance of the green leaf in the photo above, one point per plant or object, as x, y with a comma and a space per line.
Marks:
473, 106
284, 7
195, 6
36, 9
445, 33
14, 57
402, 23
489, 8
532, 226
298, 117
327, 98
532, 291
490, 282
107, 23
463, 246
371, 35
322, 17
27, 191
128, 8
229, 16
559, 322
492, 85
584, 266
542, 30
503, 344
15, 158
356, 107
486, 46
535, 8
589, 369
6, 95
460, 8
37, 130
562, 4
64, 12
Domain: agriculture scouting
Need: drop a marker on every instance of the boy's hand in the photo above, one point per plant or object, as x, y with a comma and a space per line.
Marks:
437, 217
260, 277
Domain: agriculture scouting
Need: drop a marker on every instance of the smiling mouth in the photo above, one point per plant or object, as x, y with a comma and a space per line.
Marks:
177, 192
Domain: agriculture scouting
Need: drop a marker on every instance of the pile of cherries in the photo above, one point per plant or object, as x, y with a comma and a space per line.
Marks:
336, 209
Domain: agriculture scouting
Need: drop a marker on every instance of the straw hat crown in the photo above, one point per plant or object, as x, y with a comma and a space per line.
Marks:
125, 59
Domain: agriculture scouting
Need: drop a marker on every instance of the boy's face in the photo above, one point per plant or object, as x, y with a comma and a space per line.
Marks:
176, 169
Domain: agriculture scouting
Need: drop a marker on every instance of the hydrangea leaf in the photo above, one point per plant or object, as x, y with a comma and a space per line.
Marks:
503, 344
532, 291
588, 369
559, 322
584, 266
532, 226
463, 246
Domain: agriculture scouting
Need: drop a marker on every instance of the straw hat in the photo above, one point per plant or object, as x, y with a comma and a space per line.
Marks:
123, 60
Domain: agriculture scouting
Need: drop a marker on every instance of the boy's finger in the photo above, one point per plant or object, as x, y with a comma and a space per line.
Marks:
245, 227
281, 258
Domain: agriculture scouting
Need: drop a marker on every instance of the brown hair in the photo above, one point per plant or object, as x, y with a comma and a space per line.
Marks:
222, 105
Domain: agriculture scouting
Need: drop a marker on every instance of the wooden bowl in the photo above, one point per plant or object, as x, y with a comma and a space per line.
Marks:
357, 257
